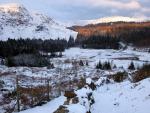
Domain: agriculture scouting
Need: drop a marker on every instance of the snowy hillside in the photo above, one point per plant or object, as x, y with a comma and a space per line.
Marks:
16, 21
110, 19
122, 97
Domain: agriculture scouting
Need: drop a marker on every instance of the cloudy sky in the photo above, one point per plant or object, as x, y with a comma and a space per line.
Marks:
71, 10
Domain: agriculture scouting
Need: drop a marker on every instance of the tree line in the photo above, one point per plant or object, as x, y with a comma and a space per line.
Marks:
133, 33
13, 47
32, 52
138, 37
101, 42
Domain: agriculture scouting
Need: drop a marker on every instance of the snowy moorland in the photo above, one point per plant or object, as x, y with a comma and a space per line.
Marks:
68, 74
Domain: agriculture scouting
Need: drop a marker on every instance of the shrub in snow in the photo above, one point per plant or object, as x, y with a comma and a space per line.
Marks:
81, 83
70, 94
62, 109
71, 98
119, 77
142, 73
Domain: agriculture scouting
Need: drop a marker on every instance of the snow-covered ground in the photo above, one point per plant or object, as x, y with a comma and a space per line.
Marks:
122, 97
115, 97
49, 107
120, 58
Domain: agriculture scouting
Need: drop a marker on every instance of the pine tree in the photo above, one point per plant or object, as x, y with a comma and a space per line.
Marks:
81, 63
87, 64
131, 66
107, 66
99, 65
71, 42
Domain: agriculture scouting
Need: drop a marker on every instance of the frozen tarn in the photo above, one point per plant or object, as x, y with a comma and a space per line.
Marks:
50, 107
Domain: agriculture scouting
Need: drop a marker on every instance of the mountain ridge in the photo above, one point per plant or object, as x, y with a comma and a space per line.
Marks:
110, 19
17, 22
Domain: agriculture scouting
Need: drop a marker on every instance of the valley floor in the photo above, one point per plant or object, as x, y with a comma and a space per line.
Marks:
124, 97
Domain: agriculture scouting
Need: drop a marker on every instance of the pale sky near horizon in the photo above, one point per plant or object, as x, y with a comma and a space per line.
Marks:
71, 10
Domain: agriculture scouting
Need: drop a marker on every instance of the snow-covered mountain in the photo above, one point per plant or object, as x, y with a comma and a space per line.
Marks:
110, 19
17, 22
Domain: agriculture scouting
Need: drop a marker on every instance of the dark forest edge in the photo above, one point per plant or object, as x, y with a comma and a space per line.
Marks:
101, 42
32, 52
135, 34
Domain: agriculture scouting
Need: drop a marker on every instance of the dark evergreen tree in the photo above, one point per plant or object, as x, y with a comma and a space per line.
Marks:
106, 66
114, 67
87, 64
131, 66
99, 65
71, 42
81, 63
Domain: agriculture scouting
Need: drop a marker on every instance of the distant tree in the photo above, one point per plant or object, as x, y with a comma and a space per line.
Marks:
106, 66
71, 42
87, 64
81, 63
114, 67
99, 65
131, 66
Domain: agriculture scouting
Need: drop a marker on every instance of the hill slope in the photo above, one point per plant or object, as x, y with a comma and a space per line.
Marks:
17, 22
137, 33
110, 19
